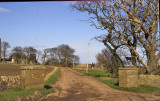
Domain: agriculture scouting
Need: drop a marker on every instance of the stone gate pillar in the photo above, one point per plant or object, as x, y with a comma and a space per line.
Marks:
128, 77
33, 77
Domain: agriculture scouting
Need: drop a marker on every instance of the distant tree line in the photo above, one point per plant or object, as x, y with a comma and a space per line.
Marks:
62, 55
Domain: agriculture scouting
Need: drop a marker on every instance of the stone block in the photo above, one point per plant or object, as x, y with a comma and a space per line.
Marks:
33, 77
128, 77
8, 82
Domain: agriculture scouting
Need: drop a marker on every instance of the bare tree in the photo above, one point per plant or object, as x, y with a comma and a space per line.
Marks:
53, 53
30, 52
18, 53
61, 55
51, 56
5, 45
38, 55
65, 52
44, 55
74, 60
108, 61
127, 22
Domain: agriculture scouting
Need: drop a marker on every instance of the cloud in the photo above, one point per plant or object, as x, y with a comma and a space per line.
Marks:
4, 10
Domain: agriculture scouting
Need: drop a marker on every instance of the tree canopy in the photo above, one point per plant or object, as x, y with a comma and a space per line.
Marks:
128, 24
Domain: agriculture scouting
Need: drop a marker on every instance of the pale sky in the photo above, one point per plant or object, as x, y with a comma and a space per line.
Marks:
46, 25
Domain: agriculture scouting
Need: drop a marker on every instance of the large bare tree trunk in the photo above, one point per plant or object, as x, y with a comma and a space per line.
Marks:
119, 60
134, 60
153, 61
133, 55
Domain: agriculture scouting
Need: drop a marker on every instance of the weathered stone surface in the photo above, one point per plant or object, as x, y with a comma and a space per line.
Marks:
7, 82
152, 80
128, 77
33, 77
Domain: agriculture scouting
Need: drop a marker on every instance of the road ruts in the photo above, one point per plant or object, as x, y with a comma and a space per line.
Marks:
73, 86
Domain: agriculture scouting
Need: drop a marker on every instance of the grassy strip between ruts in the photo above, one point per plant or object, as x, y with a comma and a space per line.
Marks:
102, 76
30, 94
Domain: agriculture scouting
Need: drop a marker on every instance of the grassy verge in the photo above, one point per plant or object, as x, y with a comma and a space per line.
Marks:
102, 76
30, 94
53, 78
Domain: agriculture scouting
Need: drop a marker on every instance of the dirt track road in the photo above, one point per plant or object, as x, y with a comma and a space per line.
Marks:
74, 86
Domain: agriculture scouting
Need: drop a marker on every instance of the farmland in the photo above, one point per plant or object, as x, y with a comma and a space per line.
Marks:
14, 69
17, 94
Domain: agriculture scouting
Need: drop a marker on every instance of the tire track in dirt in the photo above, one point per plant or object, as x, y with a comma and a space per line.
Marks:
74, 86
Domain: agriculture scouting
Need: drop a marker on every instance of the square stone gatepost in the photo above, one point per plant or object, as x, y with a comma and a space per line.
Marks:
33, 77
128, 77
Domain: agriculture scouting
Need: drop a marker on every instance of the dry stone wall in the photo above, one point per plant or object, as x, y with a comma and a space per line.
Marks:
128, 77
32, 77
152, 80
8, 82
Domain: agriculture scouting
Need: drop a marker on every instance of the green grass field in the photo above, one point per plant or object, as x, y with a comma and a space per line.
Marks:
102, 76
53, 78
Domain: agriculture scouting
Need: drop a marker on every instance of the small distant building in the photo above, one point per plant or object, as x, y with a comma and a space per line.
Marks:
23, 59
18, 58
13, 60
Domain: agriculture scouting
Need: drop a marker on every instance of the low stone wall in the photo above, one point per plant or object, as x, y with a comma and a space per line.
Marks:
32, 77
152, 80
7, 82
